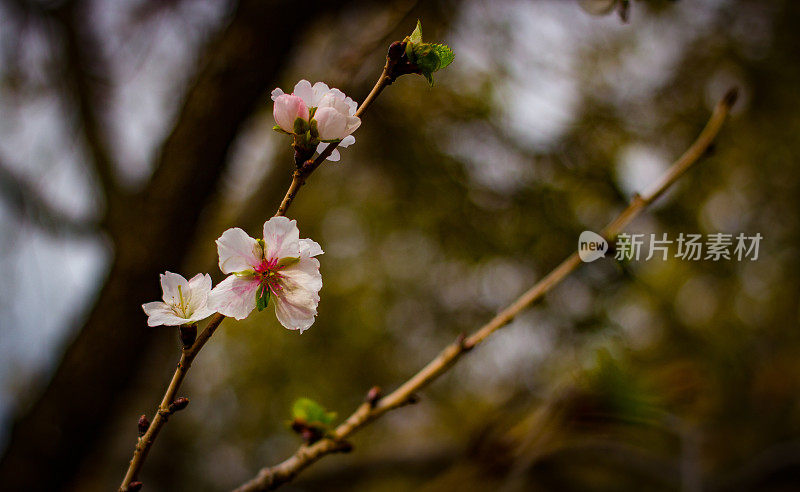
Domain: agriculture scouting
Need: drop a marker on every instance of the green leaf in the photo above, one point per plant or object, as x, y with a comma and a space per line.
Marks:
262, 297
430, 57
300, 126
410, 52
311, 412
426, 58
416, 36
313, 133
446, 55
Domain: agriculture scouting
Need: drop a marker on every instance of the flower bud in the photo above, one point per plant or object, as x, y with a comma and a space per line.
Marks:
144, 424
287, 109
178, 404
188, 334
375, 393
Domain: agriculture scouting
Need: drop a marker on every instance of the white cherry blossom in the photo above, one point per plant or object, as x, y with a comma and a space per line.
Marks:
185, 301
335, 116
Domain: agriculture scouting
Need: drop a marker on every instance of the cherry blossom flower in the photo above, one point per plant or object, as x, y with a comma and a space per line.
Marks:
281, 266
185, 301
333, 118
311, 95
287, 109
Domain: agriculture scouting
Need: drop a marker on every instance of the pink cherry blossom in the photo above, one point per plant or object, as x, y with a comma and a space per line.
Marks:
287, 109
281, 266
334, 114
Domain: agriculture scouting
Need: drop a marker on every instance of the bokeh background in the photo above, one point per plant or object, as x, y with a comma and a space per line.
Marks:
132, 133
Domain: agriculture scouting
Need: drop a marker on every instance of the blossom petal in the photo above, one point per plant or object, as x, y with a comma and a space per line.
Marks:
352, 106
197, 303
169, 287
287, 109
276, 93
281, 238
319, 90
353, 122
234, 297
335, 99
335, 155
296, 304
331, 124
238, 252
310, 248
159, 313
304, 90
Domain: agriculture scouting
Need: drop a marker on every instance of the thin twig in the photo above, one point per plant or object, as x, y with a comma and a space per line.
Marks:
162, 414
303, 172
145, 442
273, 477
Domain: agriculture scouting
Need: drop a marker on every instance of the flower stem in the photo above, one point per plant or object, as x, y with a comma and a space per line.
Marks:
304, 171
299, 177
164, 411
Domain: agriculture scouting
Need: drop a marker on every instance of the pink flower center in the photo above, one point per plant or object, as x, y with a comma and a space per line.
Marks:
268, 274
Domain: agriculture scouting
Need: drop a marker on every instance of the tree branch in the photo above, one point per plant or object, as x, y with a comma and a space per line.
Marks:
146, 441
273, 477
81, 89
27, 201
153, 230
165, 409
304, 171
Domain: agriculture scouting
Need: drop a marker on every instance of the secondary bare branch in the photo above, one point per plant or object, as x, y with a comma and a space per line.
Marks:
273, 477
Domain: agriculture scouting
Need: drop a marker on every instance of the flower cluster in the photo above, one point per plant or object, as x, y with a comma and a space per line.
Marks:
317, 116
281, 266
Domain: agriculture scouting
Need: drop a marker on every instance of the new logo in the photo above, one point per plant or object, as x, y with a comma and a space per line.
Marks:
591, 246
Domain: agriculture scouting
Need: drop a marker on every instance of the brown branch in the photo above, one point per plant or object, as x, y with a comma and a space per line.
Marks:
273, 477
304, 171
166, 408
153, 229
23, 197
82, 52
146, 441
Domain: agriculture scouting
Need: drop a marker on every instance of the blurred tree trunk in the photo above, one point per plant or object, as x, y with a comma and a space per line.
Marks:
151, 231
